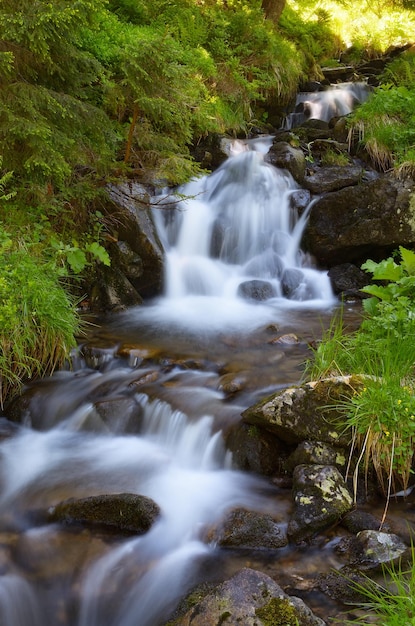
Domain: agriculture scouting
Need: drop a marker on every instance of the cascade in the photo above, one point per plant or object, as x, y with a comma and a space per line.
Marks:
234, 261
232, 242
336, 101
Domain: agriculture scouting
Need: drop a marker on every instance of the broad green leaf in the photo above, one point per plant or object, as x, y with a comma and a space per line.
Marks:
76, 259
99, 253
379, 292
408, 260
385, 270
370, 305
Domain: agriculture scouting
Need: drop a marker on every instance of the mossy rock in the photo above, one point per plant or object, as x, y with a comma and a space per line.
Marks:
125, 512
249, 598
310, 412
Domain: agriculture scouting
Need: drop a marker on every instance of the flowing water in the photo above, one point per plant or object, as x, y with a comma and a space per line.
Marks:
146, 409
336, 101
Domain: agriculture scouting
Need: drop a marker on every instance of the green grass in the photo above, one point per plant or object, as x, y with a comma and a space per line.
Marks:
38, 319
382, 414
391, 603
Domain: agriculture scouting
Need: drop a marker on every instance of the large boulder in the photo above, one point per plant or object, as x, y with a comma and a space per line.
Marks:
249, 529
285, 156
332, 178
136, 254
249, 598
365, 220
309, 412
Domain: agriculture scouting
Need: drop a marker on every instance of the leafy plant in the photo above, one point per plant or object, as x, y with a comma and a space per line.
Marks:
382, 415
38, 320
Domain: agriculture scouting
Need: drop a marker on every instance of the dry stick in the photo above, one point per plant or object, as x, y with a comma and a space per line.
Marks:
382, 521
356, 471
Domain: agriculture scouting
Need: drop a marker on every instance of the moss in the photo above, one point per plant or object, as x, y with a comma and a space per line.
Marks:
278, 612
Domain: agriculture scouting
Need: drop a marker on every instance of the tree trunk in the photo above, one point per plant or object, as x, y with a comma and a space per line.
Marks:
273, 9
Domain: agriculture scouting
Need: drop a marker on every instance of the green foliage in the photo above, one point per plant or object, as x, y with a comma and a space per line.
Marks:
390, 603
386, 125
38, 321
383, 349
314, 34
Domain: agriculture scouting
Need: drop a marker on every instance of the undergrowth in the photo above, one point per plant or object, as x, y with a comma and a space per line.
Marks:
390, 603
382, 349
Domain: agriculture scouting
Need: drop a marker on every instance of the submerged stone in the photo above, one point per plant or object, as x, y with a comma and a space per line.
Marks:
126, 512
249, 529
256, 290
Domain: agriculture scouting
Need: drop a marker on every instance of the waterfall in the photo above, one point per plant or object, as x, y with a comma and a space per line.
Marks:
336, 101
232, 242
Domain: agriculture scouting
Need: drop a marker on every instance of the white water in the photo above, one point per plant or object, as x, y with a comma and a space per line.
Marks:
232, 242
234, 227
181, 464
336, 101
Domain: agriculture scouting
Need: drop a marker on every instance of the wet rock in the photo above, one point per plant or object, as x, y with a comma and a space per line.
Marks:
348, 226
249, 529
348, 279
112, 291
130, 203
307, 412
289, 339
332, 178
300, 200
378, 548
121, 415
316, 453
256, 290
49, 554
321, 498
249, 598
232, 383
285, 156
344, 585
267, 265
256, 450
356, 521
290, 281
125, 512
129, 262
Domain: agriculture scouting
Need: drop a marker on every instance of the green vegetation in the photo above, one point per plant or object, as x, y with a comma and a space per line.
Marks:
99, 90
382, 414
390, 603
385, 123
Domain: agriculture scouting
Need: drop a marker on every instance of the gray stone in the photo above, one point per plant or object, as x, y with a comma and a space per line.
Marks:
332, 178
285, 156
307, 412
249, 598
256, 290
367, 220
249, 529
321, 498
255, 449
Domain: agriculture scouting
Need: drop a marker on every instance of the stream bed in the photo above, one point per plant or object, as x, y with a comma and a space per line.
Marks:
146, 408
